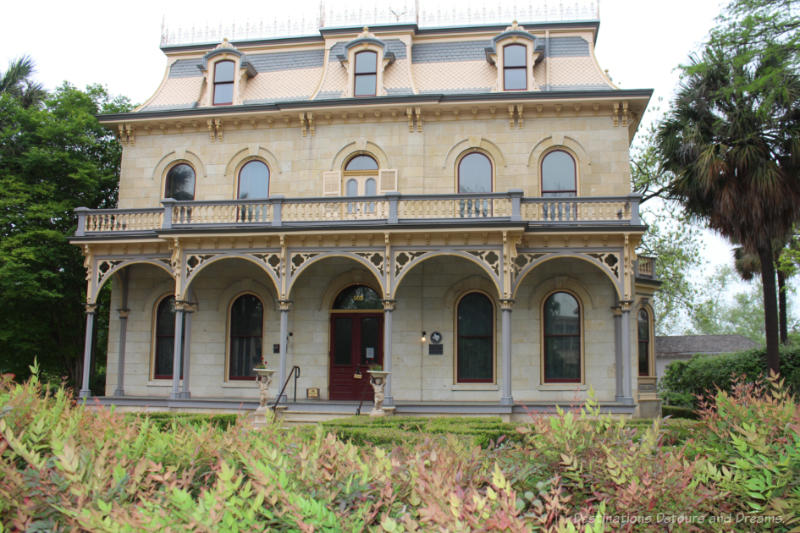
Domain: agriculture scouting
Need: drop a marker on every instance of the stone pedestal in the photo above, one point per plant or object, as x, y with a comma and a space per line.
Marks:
377, 378
264, 380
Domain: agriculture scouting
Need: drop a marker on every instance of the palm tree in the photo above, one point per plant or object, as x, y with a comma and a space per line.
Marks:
17, 82
733, 144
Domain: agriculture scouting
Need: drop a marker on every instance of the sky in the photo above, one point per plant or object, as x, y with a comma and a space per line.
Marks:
640, 42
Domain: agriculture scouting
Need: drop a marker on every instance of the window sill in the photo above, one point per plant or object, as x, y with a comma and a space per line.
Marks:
475, 387
562, 387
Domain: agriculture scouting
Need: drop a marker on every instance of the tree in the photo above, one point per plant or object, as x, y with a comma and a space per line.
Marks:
671, 237
53, 158
17, 82
732, 141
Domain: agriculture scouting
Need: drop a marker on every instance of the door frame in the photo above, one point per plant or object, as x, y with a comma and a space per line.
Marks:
354, 313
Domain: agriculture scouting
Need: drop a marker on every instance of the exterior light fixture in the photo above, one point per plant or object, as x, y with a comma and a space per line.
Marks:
423, 338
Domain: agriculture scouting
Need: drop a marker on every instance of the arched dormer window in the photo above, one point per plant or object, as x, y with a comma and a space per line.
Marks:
253, 181
559, 174
561, 342
475, 339
365, 74
223, 82
515, 67
246, 336
179, 184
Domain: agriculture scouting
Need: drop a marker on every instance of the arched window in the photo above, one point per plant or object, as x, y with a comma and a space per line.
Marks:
358, 297
562, 338
644, 342
180, 183
474, 176
361, 162
515, 67
475, 339
254, 181
366, 74
246, 330
223, 82
475, 173
558, 174
164, 339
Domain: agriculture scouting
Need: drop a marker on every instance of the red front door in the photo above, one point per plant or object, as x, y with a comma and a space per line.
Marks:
356, 344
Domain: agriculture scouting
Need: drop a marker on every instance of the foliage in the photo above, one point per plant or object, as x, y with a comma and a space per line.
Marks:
671, 237
168, 420
723, 311
53, 158
732, 140
679, 412
685, 382
17, 83
64, 466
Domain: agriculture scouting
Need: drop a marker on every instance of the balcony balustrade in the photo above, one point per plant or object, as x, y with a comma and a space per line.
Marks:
388, 209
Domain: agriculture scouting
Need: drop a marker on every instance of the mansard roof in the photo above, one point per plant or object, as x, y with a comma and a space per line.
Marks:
430, 61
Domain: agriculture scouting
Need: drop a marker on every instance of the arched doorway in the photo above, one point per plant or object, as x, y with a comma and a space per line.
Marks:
356, 342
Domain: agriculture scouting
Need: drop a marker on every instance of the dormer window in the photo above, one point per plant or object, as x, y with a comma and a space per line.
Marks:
223, 82
515, 67
366, 74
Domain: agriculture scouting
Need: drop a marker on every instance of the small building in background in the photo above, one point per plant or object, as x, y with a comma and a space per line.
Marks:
682, 347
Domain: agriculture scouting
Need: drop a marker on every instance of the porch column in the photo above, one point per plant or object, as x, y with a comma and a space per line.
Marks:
625, 330
388, 307
618, 351
506, 306
285, 306
85, 392
177, 350
187, 346
123, 332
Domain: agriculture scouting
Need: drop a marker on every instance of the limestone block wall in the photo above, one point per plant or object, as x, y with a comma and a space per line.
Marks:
426, 301
426, 161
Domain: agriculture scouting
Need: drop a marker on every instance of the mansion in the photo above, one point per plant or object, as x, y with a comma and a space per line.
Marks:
452, 205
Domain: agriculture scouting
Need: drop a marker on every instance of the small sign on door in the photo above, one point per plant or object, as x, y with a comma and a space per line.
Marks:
370, 352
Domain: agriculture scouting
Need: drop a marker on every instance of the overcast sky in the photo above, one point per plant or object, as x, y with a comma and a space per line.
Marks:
640, 42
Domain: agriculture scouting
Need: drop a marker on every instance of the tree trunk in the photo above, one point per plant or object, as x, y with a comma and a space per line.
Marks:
770, 306
784, 329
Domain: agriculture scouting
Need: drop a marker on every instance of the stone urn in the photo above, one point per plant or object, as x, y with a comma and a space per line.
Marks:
377, 378
264, 380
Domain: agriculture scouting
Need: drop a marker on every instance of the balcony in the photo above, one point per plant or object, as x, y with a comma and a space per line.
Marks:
391, 209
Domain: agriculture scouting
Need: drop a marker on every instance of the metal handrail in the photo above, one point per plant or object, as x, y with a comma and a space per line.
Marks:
364, 391
295, 370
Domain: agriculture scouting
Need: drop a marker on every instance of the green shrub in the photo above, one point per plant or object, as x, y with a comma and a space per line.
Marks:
679, 412
684, 381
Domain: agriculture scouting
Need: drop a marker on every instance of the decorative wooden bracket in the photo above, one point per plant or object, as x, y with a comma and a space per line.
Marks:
127, 134
214, 129
515, 116
414, 115
307, 123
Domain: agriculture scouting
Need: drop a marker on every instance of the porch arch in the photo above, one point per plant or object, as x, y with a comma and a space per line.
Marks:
309, 260
493, 276
204, 262
616, 281
115, 265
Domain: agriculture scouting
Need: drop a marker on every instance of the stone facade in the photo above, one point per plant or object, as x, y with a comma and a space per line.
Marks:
418, 243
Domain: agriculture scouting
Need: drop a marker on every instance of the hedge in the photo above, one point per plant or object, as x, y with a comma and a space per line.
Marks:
684, 381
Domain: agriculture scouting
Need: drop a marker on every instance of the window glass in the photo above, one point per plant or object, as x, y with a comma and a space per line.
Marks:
254, 181
558, 174
180, 183
361, 162
165, 338
366, 74
223, 82
475, 173
562, 338
352, 188
370, 187
358, 297
515, 71
644, 343
475, 324
247, 318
